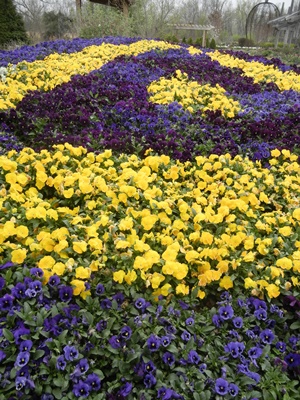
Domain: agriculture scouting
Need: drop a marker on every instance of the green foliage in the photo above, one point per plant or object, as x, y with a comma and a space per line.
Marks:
212, 44
172, 39
104, 21
245, 42
57, 24
11, 25
183, 39
190, 41
266, 45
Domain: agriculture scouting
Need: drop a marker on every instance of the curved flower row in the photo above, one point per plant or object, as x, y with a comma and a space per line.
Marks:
285, 80
56, 68
44, 49
192, 96
158, 223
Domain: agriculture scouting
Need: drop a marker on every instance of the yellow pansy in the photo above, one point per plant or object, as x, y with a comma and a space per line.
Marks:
148, 222
182, 289
285, 231
170, 254
18, 256
156, 279
58, 268
46, 262
249, 283
22, 231
296, 214
79, 247
130, 277
79, 286
191, 255
226, 283
60, 246
273, 290
119, 276
284, 263
126, 224
82, 273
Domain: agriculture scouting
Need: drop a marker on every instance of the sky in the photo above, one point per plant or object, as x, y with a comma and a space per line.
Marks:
278, 3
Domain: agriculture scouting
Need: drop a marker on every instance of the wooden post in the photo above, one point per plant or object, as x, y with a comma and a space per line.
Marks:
204, 39
78, 8
125, 9
286, 36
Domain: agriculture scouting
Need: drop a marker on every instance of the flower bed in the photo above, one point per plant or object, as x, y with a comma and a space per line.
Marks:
149, 236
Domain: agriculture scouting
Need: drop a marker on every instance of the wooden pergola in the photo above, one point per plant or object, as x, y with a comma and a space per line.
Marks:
288, 25
122, 5
194, 27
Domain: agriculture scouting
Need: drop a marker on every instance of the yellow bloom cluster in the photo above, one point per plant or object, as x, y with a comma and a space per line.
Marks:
192, 96
170, 226
259, 72
56, 68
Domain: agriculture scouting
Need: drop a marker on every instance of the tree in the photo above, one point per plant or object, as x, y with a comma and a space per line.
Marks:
100, 20
57, 24
32, 12
11, 24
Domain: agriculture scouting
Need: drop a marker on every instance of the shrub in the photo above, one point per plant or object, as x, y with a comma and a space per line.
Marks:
212, 44
245, 42
11, 24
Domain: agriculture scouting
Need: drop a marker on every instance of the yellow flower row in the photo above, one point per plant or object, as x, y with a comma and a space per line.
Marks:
56, 69
260, 73
192, 96
153, 222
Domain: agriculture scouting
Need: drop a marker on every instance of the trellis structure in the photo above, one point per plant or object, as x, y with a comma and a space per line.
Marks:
287, 26
194, 27
257, 27
122, 5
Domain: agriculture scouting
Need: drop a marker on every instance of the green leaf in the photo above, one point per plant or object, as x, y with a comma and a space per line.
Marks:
27, 308
8, 335
295, 325
38, 354
196, 396
56, 393
40, 319
267, 395
89, 317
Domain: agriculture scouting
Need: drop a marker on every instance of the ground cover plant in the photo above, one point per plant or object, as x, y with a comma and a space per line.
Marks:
149, 223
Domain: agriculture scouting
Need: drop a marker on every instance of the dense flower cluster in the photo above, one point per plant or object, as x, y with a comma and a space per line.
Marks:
183, 227
154, 177
192, 96
44, 49
111, 108
117, 344
56, 68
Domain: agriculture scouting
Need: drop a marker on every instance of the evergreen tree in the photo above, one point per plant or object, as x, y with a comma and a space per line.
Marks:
56, 24
12, 27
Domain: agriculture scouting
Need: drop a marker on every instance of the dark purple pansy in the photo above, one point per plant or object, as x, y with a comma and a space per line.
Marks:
225, 312
153, 343
93, 381
221, 386
168, 358
65, 293
81, 389
70, 352
22, 359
